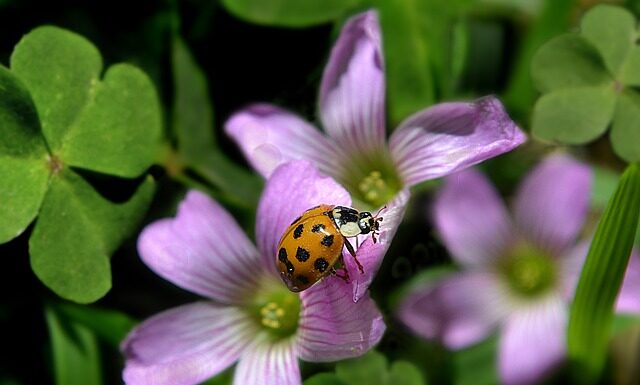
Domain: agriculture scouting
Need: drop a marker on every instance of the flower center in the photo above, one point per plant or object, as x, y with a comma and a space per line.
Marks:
375, 189
373, 182
529, 272
276, 310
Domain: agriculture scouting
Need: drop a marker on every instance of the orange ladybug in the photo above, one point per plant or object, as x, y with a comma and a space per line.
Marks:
312, 245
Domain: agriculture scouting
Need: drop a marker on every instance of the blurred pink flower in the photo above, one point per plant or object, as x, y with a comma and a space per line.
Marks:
354, 149
249, 315
518, 273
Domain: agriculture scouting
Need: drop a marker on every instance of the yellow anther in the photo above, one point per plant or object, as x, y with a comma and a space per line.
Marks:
276, 310
271, 315
271, 323
371, 195
374, 188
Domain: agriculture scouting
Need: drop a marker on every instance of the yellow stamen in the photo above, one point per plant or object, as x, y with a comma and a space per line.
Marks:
272, 314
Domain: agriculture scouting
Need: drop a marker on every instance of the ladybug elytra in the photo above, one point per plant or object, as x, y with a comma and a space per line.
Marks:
311, 247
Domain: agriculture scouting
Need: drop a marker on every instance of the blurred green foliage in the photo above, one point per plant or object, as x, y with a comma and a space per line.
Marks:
77, 142
290, 13
592, 311
76, 358
197, 148
372, 368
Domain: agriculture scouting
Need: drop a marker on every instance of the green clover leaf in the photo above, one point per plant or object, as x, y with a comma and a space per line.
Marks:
612, 30
568, 61
586, 79
76, 233
23, 157
89, 123
625, 130
583, 113
57, 116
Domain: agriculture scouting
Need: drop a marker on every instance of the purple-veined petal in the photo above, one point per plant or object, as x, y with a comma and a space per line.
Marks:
570, 264
459, 310
269, 136
532, 342
268, 362
552, 203
371, 254
352, 90
186, 345
629, 297
472, 220
333, 327
293, 188
449, 137
202, 250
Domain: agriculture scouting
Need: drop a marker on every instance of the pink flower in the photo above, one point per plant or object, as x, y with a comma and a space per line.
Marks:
248, 316
354, 149
518, 274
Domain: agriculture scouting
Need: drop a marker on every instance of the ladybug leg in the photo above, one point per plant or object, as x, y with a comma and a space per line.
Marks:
344, 277
376, 236
353, 254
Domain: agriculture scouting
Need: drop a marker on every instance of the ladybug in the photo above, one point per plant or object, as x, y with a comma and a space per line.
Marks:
311, 247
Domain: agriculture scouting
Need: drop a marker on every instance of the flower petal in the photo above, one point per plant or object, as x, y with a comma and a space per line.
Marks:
352, 90
293, 188
332, 327
460, 310
371, 254
202, 250
570, 264
629, 297
552, 203
186, 345
471, 218
269, 136
532, 342
449, 137
268, 362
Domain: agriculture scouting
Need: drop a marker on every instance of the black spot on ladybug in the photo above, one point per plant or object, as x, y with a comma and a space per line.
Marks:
327, 240
302, 279
317, 227
301, 254
290, 267
296, 220
282, 255
321, 265
298, 231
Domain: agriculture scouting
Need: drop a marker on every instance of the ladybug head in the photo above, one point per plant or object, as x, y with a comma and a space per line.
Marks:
369, 223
